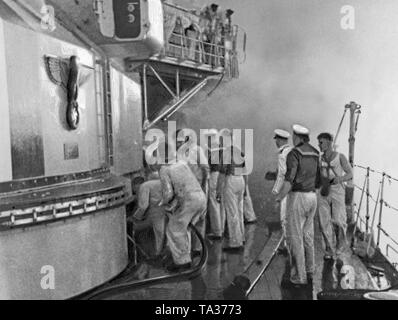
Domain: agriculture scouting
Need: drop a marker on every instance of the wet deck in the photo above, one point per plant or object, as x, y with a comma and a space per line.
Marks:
220, 270
327, 277
262, 240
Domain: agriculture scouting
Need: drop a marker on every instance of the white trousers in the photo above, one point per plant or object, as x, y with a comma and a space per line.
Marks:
300, 212
200, 224
216, 215
283, 216
189, 210
157, 216
233, 204
333, 220
248, 210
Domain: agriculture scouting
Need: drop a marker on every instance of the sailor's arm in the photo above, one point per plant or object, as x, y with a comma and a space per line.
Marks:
286, 187
291, 172
347, 170
167, 187
318, 182
143, 202
280, 178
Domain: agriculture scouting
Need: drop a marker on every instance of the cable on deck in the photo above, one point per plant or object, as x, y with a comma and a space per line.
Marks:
132, 285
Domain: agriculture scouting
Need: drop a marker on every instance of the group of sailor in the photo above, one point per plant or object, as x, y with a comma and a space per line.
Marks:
196, 186
199, 187
215, 21
307, 179
217, 27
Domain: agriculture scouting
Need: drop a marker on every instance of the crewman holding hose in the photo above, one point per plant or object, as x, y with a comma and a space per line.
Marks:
185, 201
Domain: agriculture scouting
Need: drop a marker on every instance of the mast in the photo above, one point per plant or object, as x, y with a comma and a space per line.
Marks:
355, 110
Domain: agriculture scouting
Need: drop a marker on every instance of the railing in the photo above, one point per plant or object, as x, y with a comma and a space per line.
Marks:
379, 204
219, 52
196, 50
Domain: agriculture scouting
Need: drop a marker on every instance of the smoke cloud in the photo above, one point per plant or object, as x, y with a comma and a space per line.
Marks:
302, 67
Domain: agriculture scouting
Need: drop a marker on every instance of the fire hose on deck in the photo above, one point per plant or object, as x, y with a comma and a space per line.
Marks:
132, 285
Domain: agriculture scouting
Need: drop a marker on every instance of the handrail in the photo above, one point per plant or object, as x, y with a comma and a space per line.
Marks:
215, 52
198, 40
386, 204
196, 51
377, 171
377, 201
356, 109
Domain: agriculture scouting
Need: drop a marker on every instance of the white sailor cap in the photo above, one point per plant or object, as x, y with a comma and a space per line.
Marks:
298, 129
279, 133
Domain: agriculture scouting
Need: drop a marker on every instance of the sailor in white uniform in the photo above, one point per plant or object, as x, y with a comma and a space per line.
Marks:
281, 138
186, 202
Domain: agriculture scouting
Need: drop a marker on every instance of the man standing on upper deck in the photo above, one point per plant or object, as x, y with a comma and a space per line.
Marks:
335, 170
301, 180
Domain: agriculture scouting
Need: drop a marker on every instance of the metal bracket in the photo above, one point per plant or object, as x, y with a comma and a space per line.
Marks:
178, 100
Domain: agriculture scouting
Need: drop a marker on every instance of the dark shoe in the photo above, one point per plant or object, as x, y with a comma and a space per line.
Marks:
233, 250
251, 222
175, 268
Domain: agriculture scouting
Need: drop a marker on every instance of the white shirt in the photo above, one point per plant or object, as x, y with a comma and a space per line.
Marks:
283, 152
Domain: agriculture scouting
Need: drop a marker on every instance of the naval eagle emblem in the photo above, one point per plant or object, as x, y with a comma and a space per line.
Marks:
68, 74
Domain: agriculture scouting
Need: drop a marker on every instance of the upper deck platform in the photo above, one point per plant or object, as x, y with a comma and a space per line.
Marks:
154, 31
